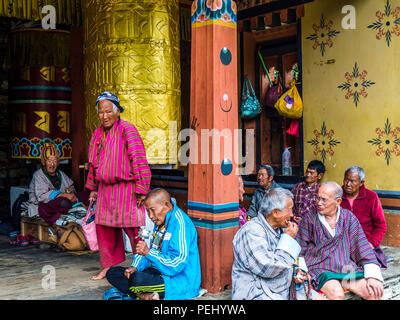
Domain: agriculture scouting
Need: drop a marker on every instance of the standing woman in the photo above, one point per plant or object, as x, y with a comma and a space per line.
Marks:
119, 177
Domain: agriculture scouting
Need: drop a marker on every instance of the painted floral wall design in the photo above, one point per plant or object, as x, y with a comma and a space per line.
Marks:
324, 142
387, 141
323, 36
387, 23
356, 84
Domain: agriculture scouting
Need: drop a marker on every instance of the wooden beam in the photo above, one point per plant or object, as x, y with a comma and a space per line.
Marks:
284, 31
269, 7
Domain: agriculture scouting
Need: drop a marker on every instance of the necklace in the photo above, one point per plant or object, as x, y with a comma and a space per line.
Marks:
158, 237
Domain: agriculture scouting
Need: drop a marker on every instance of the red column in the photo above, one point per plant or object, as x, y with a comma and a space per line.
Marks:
213, 183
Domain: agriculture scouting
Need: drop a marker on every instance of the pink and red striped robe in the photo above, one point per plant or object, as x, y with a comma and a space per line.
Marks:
118, 170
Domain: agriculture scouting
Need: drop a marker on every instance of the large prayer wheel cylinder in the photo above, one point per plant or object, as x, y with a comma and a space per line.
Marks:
40, 92
132, 48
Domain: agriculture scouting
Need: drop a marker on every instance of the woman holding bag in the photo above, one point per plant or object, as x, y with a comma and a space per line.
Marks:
119, 177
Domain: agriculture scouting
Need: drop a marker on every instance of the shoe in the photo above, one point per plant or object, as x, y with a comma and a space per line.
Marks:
32, 239
22, 241
12, 237
113, 294
14, 234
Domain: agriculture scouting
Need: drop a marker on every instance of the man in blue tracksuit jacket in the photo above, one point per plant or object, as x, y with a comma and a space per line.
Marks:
170, 268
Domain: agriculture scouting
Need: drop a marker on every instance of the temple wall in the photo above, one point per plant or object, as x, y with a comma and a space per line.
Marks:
351, 110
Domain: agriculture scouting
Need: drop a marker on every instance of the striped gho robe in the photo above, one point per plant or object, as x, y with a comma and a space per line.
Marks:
346, 252
118, 170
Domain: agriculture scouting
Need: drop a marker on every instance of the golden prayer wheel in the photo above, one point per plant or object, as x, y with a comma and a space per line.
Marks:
132, 48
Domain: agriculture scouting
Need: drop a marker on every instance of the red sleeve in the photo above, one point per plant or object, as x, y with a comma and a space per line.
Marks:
91, 182
138, 160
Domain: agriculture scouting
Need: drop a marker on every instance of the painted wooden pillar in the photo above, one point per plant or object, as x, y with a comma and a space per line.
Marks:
213, 181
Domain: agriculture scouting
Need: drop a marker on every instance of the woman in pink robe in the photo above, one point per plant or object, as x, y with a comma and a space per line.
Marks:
119, 177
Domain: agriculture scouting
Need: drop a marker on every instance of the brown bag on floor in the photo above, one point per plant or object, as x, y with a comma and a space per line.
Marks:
70, 237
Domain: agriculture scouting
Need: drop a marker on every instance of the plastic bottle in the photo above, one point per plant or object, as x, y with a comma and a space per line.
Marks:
286, 162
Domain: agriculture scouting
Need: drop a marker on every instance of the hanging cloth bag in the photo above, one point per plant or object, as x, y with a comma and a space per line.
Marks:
290, 105
250, 107
274, 91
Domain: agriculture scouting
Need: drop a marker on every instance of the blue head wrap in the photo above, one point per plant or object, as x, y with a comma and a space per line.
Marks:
107, 95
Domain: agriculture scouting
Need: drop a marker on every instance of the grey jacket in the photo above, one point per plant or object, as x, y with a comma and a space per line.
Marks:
263, 262
257, 197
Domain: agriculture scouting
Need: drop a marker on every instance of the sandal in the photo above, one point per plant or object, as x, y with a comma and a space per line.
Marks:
113, 294
22, 241
12, 237
32, 239
126, 297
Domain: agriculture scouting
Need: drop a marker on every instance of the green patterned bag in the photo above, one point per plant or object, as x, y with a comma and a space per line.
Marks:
250, 107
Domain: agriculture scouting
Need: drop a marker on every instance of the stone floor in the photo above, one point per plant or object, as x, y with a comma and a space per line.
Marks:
21, 275
391, 276
25, 274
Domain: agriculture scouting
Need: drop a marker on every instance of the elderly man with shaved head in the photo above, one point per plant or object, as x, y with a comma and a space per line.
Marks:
336, 250
265, 251
170, 268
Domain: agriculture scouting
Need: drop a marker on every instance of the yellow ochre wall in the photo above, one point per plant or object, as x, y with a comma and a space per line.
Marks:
350, 132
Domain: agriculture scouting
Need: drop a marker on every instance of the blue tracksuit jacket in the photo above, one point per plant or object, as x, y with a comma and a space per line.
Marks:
179, 260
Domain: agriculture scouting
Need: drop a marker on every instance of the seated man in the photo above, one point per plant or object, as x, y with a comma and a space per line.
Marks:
366, 206
170, 269
336, 251
51, 192
265, 179
305, 192
264, 254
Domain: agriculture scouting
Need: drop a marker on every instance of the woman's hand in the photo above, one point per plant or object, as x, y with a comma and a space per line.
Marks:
93, 196
139, 199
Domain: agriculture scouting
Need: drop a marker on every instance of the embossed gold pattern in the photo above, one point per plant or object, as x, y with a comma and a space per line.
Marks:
131, 48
